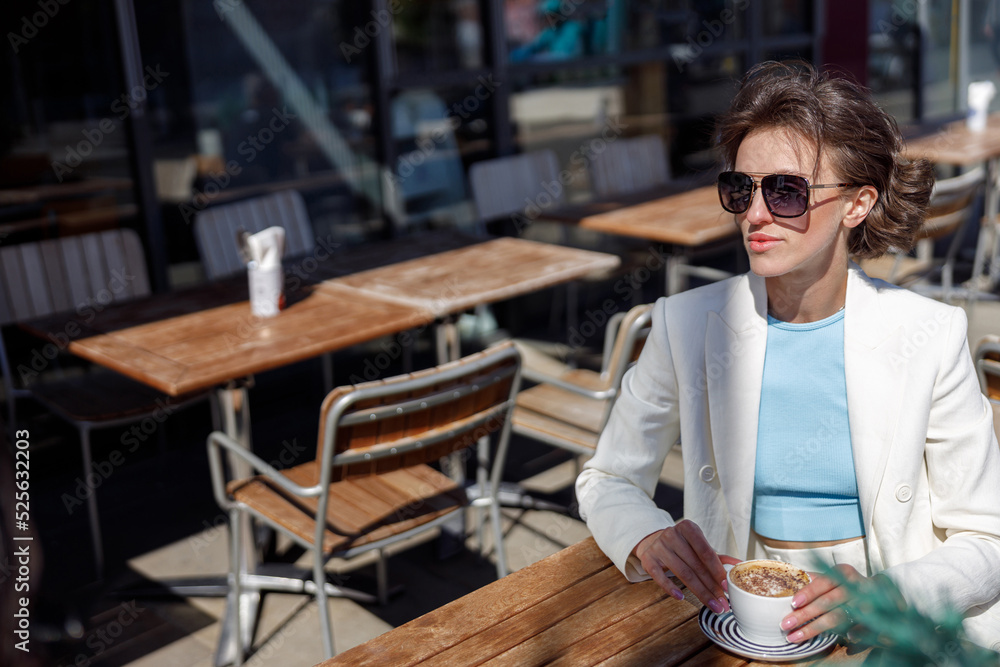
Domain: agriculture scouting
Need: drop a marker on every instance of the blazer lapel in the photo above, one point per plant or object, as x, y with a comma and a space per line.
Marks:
871, 366
735, 341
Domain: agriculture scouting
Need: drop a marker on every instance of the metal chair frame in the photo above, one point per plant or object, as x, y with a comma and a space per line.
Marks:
394, 398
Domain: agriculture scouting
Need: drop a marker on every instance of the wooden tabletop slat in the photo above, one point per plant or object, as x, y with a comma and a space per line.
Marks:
689, 218
457, 280
194, 340
956, 144
678, 641
560, 643
426, 636
572, 608
512, 640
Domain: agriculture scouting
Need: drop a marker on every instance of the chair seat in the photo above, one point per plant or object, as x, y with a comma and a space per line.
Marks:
105, 396
551, 413
361, 510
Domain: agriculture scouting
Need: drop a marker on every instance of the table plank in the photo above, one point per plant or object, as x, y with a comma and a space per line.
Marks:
691, 218
956, 144
605, 628
679, 642
572, 608
508, 638
457, 280
194, 340
465, 618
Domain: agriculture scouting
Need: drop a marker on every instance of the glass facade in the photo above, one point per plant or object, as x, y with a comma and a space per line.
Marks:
375, 111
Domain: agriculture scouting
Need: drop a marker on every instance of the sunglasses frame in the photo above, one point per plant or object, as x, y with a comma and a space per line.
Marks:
760, 185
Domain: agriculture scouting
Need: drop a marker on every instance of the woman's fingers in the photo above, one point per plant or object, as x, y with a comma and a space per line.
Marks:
819, 607
683, 550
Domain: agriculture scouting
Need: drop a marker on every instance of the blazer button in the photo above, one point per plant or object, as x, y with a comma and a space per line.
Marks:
904, 493
707, 473
996, 646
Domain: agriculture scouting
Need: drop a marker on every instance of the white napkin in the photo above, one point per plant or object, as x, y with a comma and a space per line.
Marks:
266, 247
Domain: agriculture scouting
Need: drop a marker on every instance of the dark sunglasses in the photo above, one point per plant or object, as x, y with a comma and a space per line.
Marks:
785, 195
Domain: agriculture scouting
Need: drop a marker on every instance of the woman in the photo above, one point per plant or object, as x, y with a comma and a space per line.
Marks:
820, 412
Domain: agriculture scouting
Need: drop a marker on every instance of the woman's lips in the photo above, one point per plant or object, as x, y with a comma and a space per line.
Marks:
762, 242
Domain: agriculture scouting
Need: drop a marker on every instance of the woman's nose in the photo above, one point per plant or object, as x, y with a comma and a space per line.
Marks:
758, 213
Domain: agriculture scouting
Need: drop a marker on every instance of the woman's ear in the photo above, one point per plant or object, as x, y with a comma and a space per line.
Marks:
860, 205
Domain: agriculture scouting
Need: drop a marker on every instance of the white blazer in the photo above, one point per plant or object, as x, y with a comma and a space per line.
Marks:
925, 454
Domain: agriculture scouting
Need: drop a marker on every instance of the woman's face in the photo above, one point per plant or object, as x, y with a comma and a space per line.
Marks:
807, 248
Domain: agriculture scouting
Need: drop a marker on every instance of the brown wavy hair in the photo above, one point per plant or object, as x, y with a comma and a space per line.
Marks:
862, 141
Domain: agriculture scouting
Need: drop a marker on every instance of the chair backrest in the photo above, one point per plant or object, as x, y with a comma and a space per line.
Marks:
376, 427
629, 165
513, 184
81, 274
71, 274
215, 229
629, 335
951, 203
987, 362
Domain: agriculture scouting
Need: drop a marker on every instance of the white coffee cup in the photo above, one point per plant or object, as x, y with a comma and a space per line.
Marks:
759, 616
267, 289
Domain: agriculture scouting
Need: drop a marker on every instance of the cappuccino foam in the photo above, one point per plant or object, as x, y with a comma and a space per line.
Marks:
772, 579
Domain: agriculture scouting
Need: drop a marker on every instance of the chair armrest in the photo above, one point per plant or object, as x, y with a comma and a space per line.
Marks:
541, 368
217, 441
598, 395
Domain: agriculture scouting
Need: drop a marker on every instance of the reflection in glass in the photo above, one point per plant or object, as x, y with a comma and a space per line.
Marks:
690, 27
546, 30
64, 134
937, 49
437, 133
574, 116
786, 17
435, 36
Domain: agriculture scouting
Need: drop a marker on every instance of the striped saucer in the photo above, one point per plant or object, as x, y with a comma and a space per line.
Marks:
722, 629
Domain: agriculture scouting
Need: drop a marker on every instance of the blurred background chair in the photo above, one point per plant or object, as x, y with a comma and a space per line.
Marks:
569, 407
73, 275
986, 358
509, 187
953, 203
215, 230
629, 165
370, 480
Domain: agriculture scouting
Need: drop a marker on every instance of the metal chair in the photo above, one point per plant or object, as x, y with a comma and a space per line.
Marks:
569, 407
370, 479
986, 359
629, 165
952, 203
84, 274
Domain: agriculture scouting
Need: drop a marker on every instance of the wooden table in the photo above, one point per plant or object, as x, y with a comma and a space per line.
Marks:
683, 220
956, 145
454, 281
572, 608
207, 337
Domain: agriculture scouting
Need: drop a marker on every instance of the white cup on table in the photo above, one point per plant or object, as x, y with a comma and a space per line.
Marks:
759, 614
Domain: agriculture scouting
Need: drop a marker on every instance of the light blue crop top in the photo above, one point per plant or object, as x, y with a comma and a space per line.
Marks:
805, 488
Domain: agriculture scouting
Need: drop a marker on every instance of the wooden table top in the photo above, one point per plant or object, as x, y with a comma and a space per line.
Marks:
955, 144
572, 608
453, 281
196, 339
688, 218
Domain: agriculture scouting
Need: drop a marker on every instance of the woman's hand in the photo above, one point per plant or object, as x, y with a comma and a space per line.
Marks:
684, 551
819, 606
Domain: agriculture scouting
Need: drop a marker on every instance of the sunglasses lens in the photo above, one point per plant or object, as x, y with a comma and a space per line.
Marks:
735, 191
787, 196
